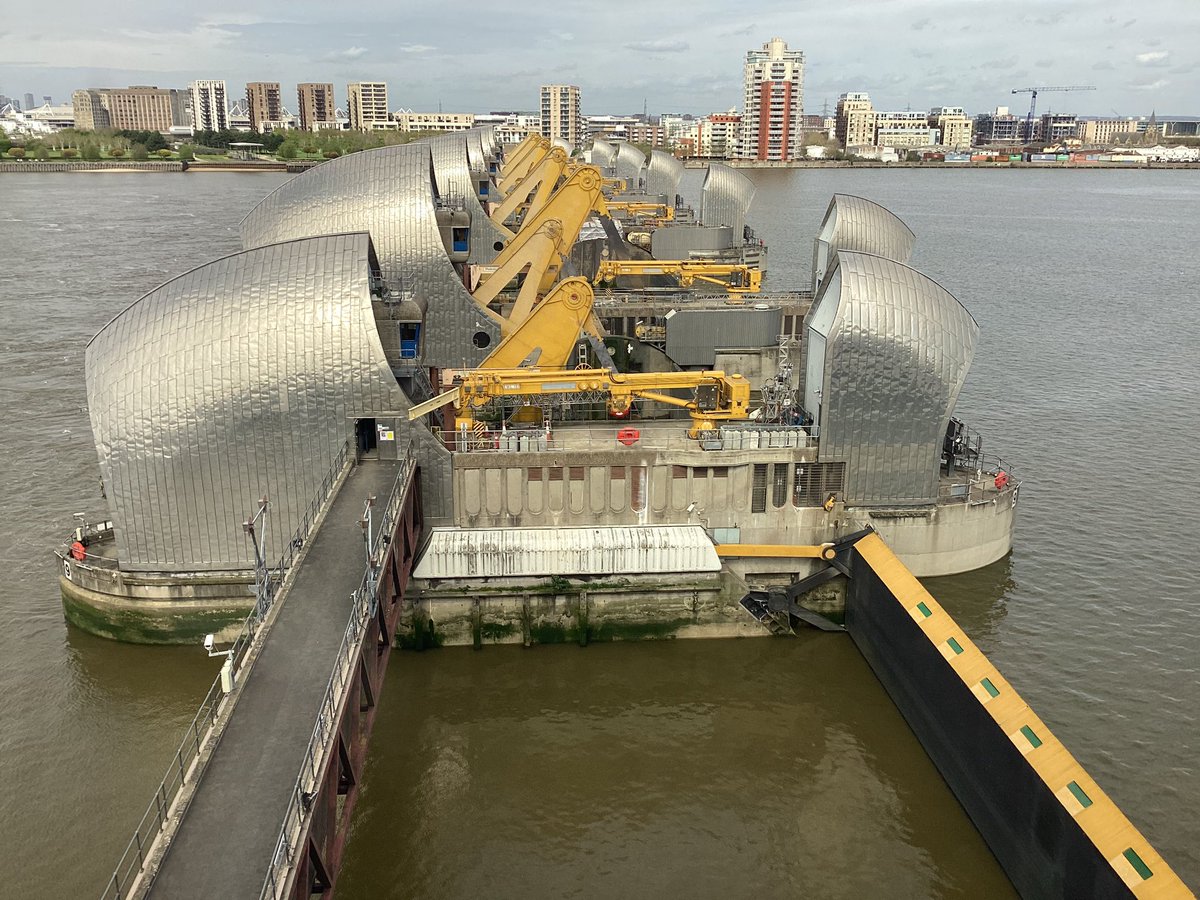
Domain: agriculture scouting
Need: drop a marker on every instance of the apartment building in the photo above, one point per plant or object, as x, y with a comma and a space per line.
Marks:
438, 121
905, 129
955, 126
855, 120
210, 106
367, 106
773, 103
1104, 132
717, 135
998, 127
263, 104
561, 117
135, 108
315, 106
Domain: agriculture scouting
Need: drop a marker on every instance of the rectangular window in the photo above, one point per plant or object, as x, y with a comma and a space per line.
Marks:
758, 489
720, 471
536, 474
556, 473
679, 471
577, 473
617, 473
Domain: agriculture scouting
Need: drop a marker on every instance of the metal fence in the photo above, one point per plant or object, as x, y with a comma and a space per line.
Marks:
982, 480
307, 786
185, 768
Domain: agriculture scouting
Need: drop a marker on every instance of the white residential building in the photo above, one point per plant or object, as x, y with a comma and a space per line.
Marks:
773, 103
210, 107
561, 117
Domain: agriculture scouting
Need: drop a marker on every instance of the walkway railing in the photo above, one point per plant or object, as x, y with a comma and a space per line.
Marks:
185, 766
307, 785
978, 480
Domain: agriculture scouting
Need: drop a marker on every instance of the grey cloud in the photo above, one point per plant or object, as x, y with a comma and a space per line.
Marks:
1103, 66
921, 24
1154, 58
660, 46
1150, 86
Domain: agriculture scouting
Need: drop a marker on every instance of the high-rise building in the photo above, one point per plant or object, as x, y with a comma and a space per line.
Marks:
773, 103
210, 109
28, 102
263, 103
47, 100
855, 120
317, 109
141, 107
561, 116
367, 105
999, 127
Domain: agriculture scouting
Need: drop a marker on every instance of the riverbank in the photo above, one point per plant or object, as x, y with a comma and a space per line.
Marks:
876, 164
35, 166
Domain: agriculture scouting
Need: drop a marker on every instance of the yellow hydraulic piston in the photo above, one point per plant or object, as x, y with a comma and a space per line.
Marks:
716, 397
640, 209
734, 277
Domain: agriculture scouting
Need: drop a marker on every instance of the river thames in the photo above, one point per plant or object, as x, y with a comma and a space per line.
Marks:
724, 768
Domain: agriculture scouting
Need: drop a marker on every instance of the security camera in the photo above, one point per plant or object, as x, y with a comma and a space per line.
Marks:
208, 642
691, 508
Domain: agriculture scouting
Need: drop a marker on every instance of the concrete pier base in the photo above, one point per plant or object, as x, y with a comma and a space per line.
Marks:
152, 614
475, 612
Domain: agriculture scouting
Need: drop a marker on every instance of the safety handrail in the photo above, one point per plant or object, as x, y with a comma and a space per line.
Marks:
185, 766
307, 786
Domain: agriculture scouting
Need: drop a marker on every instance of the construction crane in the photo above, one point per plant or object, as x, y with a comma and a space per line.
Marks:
716, 397
1033, 101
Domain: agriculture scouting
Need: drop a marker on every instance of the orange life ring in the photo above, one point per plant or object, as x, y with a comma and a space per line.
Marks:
78, 551
1001, 480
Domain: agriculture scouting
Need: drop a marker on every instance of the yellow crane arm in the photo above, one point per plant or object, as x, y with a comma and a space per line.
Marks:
716, 396
734, 277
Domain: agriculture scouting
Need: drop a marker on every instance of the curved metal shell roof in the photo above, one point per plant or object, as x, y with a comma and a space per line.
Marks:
237, 379
857, 224
629, 164
896, 354
726, 198
663, 174
604, 154
388, 193
458, 168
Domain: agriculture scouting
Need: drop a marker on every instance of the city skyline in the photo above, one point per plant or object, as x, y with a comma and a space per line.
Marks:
906, 54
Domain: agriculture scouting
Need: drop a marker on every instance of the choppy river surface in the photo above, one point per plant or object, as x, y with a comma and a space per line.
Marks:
726, 768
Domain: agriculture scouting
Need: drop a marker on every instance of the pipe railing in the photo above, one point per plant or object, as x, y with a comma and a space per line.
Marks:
185, 766
307, 785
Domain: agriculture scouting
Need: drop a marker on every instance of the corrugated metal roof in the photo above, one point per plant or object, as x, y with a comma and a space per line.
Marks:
530, 552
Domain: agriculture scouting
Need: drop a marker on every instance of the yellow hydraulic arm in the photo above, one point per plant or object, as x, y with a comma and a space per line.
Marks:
734, 277
518, 164
540, 247
716, 397
547, 336
641, 209
535, 188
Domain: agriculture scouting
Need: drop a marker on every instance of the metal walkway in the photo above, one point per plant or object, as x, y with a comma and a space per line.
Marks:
225, 843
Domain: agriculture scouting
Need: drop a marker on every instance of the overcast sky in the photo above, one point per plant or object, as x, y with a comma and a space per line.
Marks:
677, 57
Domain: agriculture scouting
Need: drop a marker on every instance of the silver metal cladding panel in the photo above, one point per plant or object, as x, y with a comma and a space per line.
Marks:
861, 225
897, 354
476, 158
629, 163
457, 178
537, 552
389, 193
678, 241
236, 380
726, 197
663, 174
694, 335
604, 154
563, 144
